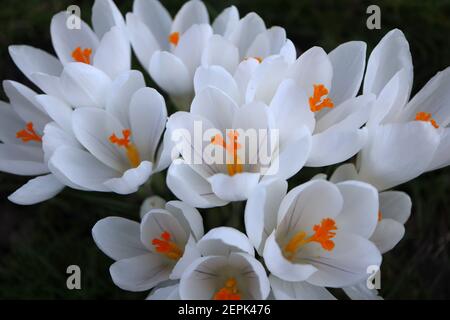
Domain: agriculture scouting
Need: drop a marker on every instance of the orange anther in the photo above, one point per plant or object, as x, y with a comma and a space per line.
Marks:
132, 151
316, 103
235, 165
425, 116
28, 134
229, 291
166, 247
82, 55
174, 37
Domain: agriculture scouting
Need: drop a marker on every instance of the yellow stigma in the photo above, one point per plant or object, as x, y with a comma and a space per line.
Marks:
132, 151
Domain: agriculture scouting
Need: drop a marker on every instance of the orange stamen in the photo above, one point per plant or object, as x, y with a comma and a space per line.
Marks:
132, 151
425, 116
259, 59
166, 247
174, 37
380, 216
235, 165
28, 134
316, 103
323, 233
82, 55
229, 291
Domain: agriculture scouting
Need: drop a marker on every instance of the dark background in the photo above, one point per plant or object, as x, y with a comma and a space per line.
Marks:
37, 243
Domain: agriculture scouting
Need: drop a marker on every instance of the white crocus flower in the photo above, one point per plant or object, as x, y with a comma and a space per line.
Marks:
406, 139
227, 269
160, 248
171, 50
330, 82
224, 130
22, 124
318, 232
106, 50
119, 145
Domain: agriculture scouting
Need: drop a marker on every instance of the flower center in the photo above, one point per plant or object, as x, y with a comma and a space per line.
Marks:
174, 37
259, 59
425, 116
234, 164
82, 55
229, 291
132, 151
317, 102
323, 233
28, 134
165, 246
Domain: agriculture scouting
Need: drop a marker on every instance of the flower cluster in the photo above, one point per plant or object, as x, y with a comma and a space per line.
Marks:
251, 114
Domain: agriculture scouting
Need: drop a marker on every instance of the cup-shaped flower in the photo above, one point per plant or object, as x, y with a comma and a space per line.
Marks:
171, 50
227, 269
22, 123
119, 146
106, 49
227, 149
160, 248
405, 138
317, 233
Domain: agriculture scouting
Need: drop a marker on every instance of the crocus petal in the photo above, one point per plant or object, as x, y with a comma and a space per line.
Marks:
169, 292
223, 240
192, 188
55, 137
118, 238
106, 15
58, 110
267, 43
397, 153
189, 217
281, 267
113, 55
148, 116
156, 18
261, 212
140, 273
37, 190
219, 51
387, 234
10, 124
66, 40
395, 205
216, 76
170, 73
344, 172
234, 188
22, 160
49, 84
84, 85
360, 291
131, 180
299, 290
191, 13
82, 169
389, 56
191, 253
360, 212
441, 157
349, 61
244, 73
246, 31
32, 60
226, 21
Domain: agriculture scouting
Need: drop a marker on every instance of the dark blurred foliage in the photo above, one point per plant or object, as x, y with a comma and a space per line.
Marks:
37, 243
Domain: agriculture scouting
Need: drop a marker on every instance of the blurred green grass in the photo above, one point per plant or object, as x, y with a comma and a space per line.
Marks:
37, 243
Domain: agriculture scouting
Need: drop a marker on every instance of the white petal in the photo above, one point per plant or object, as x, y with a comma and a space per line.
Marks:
49, 84
395, 205
222, 241
37, 190
191, 253
113, 55
234, 188
226, 21
106, 15
22, 160
219, 51
281, 267
349, 61
142, 40
148, 117
84, 85
389, 56
118, 238
140, 273
244, 73
156, 18
170, 73
360, 291
299, 290
397, 153
190, 187
360, 212
82, 169
261, 212
191, 13
216, 76
246, 31
165, 293
10, 124
288, 52
441, 157
131, 180
267, 43
188, 216
55, 137
66, 40
344, 172
387, 234
32, 60
58, 110
153, 202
